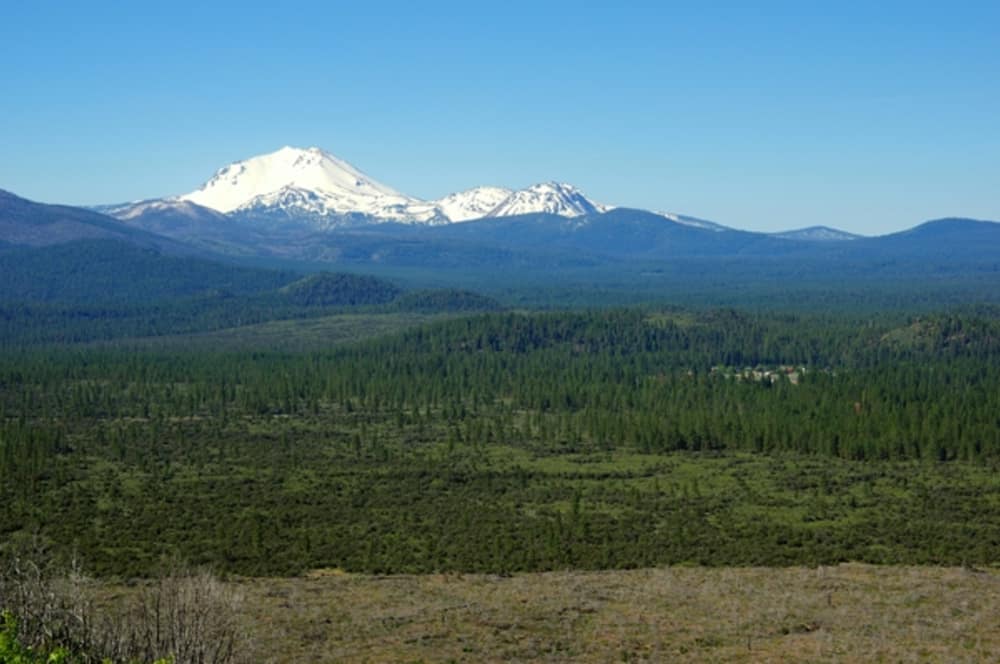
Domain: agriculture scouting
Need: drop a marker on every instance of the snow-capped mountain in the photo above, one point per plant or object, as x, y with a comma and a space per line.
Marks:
295, 192
308, 183
552, 197
473, 203
314, 187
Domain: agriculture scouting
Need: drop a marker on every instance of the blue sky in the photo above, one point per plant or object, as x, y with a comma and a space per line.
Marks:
765, 116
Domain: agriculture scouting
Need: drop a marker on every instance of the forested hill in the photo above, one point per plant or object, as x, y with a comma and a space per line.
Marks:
101, 290
110, 271
27, 223
328, 289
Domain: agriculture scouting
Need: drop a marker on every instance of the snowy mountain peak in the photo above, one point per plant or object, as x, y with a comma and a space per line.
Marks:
473, 203
551, 197
316, 179
313, 186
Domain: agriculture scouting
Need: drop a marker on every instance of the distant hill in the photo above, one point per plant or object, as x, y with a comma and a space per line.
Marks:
967, 236
619, 234
104, 270
818, 234
328, 289
190, 223
24, 222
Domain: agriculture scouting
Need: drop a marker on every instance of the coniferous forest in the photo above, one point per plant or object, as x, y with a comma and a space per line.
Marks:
514, 441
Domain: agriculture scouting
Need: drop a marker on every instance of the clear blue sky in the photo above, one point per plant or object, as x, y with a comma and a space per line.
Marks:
870, 117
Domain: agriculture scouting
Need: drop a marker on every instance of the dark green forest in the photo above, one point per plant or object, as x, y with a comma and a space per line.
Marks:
58, 324
512, 441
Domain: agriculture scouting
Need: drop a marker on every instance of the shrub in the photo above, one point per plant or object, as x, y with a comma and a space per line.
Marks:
53, 614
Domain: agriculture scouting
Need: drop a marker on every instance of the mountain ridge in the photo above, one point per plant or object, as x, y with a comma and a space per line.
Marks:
309, 189
621, 251
29, 223
314, 187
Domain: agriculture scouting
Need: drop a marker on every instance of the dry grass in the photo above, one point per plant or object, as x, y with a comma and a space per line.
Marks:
185, 616
849, 613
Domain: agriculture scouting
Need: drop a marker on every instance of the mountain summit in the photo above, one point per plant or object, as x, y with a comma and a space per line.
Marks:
564, 200
307, 182
314, 187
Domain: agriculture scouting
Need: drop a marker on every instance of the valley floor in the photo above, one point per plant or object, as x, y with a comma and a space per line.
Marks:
847, 613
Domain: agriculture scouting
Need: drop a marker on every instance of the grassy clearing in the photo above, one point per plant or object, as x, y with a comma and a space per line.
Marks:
852, 613
295, 335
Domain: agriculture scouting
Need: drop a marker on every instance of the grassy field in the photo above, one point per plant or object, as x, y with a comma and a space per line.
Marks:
301, 334
847, 613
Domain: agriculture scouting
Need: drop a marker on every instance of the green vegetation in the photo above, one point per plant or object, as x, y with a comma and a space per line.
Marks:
446, 300
114, 273
287, 335
517, 442
248, 315
12, 651
326, 289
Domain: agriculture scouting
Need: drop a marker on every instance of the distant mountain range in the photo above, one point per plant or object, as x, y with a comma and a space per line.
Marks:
310, 189
314, 189
301, 209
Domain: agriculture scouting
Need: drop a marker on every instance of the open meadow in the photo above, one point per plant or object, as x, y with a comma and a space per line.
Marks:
843, 613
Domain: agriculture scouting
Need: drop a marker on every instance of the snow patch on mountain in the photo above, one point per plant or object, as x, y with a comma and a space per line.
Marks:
694, 222
551, 197
172, 206
473, 203
818, 234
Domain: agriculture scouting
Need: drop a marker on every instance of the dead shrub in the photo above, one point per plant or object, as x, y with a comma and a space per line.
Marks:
187, 616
